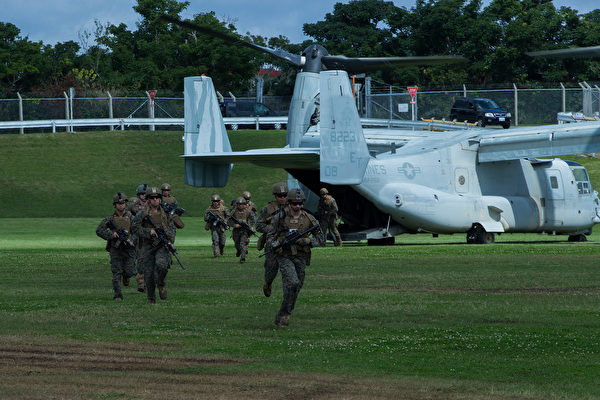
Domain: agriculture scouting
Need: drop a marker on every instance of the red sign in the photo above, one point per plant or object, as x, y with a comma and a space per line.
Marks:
152, 94
413, 91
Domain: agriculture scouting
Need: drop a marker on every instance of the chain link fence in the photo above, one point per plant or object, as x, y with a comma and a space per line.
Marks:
529, 106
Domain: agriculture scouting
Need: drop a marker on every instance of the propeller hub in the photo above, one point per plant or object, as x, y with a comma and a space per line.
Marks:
313, 55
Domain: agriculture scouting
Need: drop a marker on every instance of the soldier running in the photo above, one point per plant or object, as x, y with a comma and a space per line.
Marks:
155, 258
328, 218
116, 230
241, 215
280, 191
287, 235
216, 221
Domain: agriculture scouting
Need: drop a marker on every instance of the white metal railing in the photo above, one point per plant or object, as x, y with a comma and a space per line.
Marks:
231, 122
122, 123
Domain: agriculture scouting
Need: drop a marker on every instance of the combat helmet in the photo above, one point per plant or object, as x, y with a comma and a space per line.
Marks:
246, 195
215, 197
280, 188
119, 198
240, 200
295, 195
153, 192
323, 191
142, 189
165, 186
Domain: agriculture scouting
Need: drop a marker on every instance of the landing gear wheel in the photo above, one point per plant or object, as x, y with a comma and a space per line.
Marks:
479, 235
577, 238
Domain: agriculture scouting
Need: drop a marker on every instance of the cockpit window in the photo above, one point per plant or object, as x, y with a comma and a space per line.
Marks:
582, 180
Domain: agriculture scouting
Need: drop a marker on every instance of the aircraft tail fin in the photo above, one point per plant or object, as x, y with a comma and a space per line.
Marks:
204, 132
344, 152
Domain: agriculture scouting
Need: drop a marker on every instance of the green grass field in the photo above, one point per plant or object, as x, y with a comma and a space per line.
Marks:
428, 318
433, 318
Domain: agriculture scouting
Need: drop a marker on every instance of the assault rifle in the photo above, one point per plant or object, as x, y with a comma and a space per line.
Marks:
217, 220
291, 238
122, 234
244, 225
171, 208
162, 240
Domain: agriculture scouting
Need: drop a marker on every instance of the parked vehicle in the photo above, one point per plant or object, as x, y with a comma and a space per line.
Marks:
480, 111
243, 108
246, 109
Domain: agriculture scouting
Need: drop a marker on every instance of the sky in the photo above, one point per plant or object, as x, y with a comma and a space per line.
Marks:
52, 21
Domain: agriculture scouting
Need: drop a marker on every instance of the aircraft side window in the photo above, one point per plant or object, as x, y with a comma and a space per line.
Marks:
583, 187
582, 179
554, 182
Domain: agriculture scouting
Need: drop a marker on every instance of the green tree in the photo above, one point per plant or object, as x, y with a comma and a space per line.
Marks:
20, 60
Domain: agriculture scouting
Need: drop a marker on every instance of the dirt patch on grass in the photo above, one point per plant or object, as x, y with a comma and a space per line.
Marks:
78, 370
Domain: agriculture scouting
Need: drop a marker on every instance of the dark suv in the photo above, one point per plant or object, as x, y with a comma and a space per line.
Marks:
480, 111
246, 109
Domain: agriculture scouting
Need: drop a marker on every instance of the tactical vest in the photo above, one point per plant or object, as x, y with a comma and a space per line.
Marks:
123, 222
241, 215
302, 223
266, 215
220, 211
169, 200
159, 218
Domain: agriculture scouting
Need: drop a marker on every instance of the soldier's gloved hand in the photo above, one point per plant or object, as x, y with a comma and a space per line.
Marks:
303, 241
275, 243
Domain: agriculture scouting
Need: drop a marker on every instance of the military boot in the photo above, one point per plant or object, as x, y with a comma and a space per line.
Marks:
282, 321
140, 281
162, 292
267, 290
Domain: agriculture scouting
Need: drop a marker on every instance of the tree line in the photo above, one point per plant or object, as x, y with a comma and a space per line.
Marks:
158, 55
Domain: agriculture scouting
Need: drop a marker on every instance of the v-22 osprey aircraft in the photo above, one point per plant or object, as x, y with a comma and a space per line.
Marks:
387, 182
475, 181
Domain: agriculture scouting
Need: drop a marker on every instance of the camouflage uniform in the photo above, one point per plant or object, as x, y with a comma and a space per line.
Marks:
327, 212
135, 206
170, 200
292, 259
154, 258
217, 230
240, 235
262, 225
249, 203
122, 257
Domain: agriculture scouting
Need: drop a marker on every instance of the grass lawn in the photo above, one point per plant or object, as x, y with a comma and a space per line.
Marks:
428, 318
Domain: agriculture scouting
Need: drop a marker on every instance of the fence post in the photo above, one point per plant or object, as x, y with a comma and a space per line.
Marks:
368, 95
110, 108
464, 90
516, 118
598, 89
564, 97
71, 97
587, 98
150, 109
260, 83
21, 130
390, 102
66, 109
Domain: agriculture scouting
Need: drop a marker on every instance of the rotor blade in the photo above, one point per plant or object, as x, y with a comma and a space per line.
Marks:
593, 51
366, 64
284, 55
